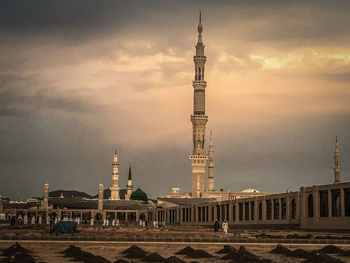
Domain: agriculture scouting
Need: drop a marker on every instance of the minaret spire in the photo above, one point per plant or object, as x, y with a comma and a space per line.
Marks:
199, 120
129, 185
336, 162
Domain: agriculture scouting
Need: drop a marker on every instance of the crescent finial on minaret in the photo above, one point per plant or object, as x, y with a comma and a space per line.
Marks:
200, 27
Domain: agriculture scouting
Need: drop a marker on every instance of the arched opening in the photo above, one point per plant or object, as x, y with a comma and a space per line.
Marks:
310, 206
294, 209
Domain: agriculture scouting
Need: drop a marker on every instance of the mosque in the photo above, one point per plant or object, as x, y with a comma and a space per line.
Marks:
312, 207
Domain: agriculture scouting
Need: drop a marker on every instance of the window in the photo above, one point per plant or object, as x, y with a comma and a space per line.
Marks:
227, 212
276, 209
323, 203
260, 211
310, 205
234, 212
268, 209
218, 212
246, 210
284, 208
240, 211
347, 201
294, 209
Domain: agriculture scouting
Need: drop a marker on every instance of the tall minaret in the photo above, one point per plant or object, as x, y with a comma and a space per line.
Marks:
100, 197
46, 196
211, 164
115, 177
336, 163
129, 186
199, 158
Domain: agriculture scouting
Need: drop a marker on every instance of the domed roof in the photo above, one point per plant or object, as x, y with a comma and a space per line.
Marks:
250, 190
138, 194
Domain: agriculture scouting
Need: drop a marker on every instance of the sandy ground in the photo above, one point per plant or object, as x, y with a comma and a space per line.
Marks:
49, 251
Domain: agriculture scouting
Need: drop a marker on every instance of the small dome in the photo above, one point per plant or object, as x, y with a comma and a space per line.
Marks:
250, 190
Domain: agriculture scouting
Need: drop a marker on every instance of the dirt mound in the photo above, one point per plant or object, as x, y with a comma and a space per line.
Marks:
79, 255
194, 253
134, 249
319, 257
299, 253
173, 259
199, 253
242, 255
153, 257
226, 249
19, 258
280, 249
330, 249
15, 248
135, 252
121, 261
185, 251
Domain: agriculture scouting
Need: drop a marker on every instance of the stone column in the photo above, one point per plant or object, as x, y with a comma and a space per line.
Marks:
287, 208
279, 208
243, 211
264, 209
215, 212
230, 207
316, 195
237, 210
256, 210
329, 203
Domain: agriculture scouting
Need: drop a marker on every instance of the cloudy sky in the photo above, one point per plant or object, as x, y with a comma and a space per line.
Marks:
81, 78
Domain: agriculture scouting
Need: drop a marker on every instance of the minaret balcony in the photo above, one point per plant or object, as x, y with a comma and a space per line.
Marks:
199, 58
199, 82
199, 116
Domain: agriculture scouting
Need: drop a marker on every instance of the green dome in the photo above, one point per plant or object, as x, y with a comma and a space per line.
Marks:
138, 194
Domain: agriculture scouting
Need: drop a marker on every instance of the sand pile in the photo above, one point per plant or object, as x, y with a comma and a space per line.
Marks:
330, 249
173, 259
135, 252
79, 255
121, 261
194, 253
17, 254
242, 255
185, 251
153, 257
280, 249
319, 257
15, 248
316, 256
226, 249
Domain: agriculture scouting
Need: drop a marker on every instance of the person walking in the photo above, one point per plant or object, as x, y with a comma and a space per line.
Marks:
216, 226
225, 226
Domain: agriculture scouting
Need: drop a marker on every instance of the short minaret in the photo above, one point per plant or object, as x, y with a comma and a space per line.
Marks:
199, 158
336, 163
211, 164
46, 196
100, 197
129, 186
115, 178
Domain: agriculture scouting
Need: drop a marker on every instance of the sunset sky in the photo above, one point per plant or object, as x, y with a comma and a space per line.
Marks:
81, 78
